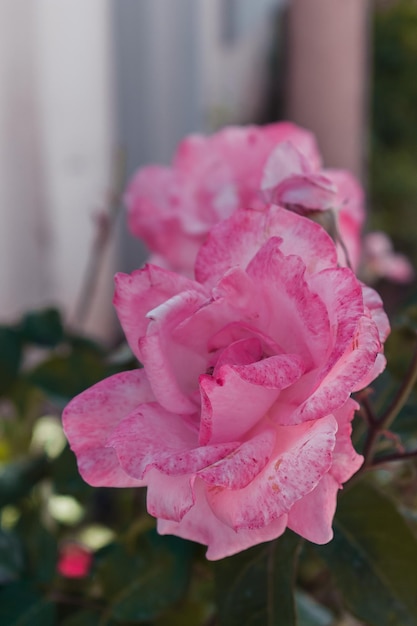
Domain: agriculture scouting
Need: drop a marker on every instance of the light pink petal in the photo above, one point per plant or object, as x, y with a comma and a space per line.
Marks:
347, 375
298, 319
151, 437
284, 162
274, 372
237, 398
242, 465
169, 497
346, 461
380, 260
230, 406
341, 292
172, 367
375, 306
349, 203
241, 352
305, 194
91, 416
302, 456
138, 293
236, 331
201, 525
350, 196
235, 241
312, 516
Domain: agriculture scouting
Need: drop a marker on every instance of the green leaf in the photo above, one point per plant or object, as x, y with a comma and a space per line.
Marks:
43, 328
20, 605
66, 477
18, 478
64, 376
40, 548
82, 618
11, 557
256, 586
373, 556
10, 357
146, 579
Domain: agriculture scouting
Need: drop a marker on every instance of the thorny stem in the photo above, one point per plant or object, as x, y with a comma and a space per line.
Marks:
390, 458
105, 224
378, 426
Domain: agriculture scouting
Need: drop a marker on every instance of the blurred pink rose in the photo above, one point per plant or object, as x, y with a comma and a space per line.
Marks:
296, 182
380, 260
173, 208
239, 422
74, 560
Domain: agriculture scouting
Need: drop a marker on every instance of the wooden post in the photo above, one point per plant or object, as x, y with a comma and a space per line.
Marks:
328, 74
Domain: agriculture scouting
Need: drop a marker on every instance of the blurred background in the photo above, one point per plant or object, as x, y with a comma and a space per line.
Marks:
89, 91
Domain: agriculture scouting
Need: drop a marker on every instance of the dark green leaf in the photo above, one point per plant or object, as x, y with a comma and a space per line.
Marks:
11, 557
64, 376
40, 549
146, 579
373, 556
20, 605
82, 618
43, 328
10, 357
66, 477
256, 586
18, 478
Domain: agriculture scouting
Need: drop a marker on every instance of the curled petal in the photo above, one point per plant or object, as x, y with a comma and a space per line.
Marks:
90, 418
201, 525
140, 292
302, 456
312, 516
223, 396
242, 465
154, 438
235, 241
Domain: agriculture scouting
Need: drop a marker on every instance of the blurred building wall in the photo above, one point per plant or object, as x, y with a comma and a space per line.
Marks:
79, 80
56, 141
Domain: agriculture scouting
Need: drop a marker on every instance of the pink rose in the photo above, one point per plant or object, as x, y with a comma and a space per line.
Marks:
173, 208
74, 560
380, 260
293, 180
239, 422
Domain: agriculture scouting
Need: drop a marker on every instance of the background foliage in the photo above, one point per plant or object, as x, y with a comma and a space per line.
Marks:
366, 575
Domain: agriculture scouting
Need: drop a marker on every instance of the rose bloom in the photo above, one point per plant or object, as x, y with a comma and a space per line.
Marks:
380, 260
239, 422
173, 208
74, 560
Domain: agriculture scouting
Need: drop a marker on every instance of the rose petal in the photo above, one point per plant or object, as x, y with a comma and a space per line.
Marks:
140, 292
312, 516
298, 319
172, 367
91, 416
302, 456
200, 525
346, 461
347, 375
242, 465
375, 306
224, 396
235, 241
151, 437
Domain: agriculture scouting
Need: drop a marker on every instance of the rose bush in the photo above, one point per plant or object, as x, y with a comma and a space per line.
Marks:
239, 422
173, 208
